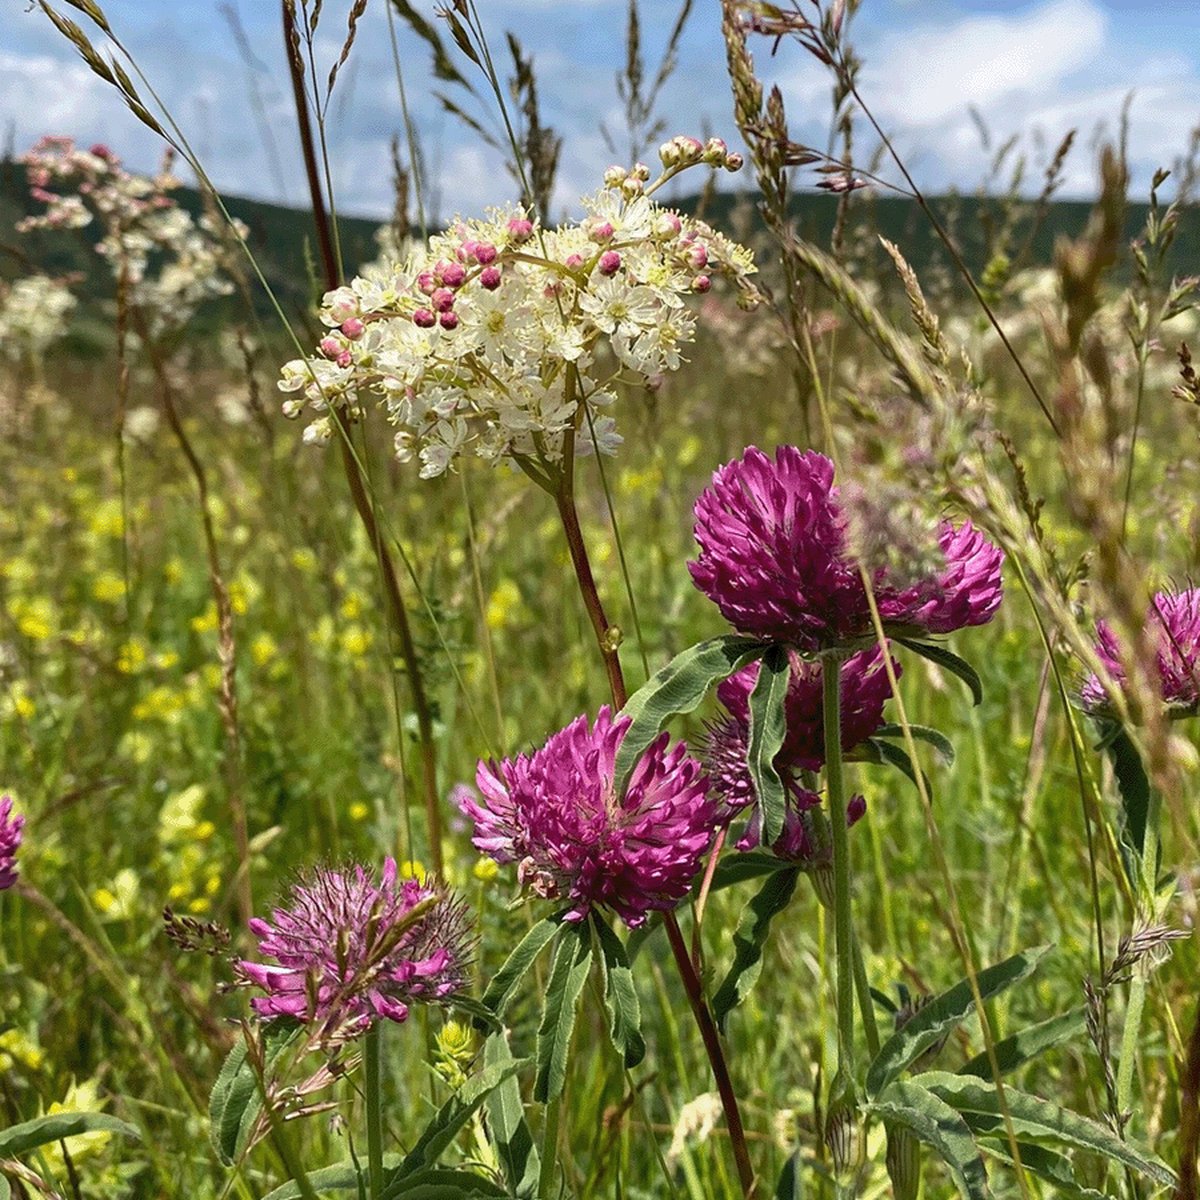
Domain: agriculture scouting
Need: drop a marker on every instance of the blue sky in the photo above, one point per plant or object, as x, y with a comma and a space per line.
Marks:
1035, 68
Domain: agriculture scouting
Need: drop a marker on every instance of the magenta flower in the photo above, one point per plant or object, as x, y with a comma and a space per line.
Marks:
348, 950
555, 813
11, 825
1176, 617
774, 559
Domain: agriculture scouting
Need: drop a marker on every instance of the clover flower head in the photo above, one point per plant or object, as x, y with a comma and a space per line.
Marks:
11, 826
557, 815
774, 559
1176, 618
348, 950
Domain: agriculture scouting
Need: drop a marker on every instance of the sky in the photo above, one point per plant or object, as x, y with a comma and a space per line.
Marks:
1035, 68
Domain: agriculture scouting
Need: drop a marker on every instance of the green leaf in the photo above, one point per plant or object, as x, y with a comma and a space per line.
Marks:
1054, 1167
236, 1100
449, 1120
948, 661
791, 1179
341, 1177
568, 974
922, 733
43, 1131
749, 939
442, 1184
768, 728
737, 868
931, 1023
938, 1125
897, 756
481, 1016
507, 1125
678, 688
5, 1190
498, 994
620, 995
1018, 1048
1134, 786
1041, 1120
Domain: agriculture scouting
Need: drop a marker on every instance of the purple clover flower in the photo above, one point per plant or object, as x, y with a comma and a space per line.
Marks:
556, 814
11, 825
348, 950
1176, 617
774, 559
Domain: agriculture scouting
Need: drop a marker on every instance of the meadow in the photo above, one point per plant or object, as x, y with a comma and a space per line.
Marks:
237, 649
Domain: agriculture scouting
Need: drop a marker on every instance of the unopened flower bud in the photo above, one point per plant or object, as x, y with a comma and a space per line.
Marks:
452, 275
448, 320
632, 187
342, 304
641, 171
345, 359
353, 328
669, 154
697, 255
667, 225
424, 319
715, 151
601, 232
489, 278
426, 282
701, 284
574, 262
734, 162
331, 347
614, 177
520, 229
610, 263
442, 300
484, 253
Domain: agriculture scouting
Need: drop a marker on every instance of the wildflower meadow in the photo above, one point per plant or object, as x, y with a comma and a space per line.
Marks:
688, 691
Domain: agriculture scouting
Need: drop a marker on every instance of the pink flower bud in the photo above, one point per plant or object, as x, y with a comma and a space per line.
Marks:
485, 253
697, 255
426, 282
345, 358
489, 278
520, 229
610, 263
353, 328
467, 250
701, 284
331, 347
715, 151
734, 162
442, 300
668, 225
602, 232
448, 320
452, 275
424, 319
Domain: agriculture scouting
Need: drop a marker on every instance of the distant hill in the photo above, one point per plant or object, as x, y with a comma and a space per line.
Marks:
282, 241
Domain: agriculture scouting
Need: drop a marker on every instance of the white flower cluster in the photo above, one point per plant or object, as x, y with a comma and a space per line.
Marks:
34, 312
169, 261
496, 335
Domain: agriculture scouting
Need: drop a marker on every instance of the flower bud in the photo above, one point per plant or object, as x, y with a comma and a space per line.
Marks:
452, 275
448, 320
424, 319
669, 154
734, 162
442, 300
601, 232
715, 151
489, 278
331, 347
426, 282
353, 328
702, 284
610, 263
697, 255
520, 229
667, 225
574, 262
345, 359
641, 171
484, 253
614, 177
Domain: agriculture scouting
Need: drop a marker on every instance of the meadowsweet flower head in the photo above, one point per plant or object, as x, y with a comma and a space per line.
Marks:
492, 337
348, 950
1176, 618
774, 559
11, 826
555, 813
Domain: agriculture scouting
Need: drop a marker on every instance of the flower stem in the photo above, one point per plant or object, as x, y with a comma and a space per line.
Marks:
546, 1175
831, 672
372, 1087
564, 497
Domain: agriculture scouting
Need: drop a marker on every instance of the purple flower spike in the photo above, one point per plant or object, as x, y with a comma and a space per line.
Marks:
1176, 617
556, 814
774, 560
348, 950
11, 825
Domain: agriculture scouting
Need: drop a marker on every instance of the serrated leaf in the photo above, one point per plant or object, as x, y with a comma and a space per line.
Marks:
498, 994
768, 728
568, 974
937, 1018
753, 864
948, 661
42, 1131
449, 1120
1041, 1120
1054, 1167
509, 1131
939, 1126
922, 733
677, 688
236, 1099
750, 938
620, 995
1018, 1048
